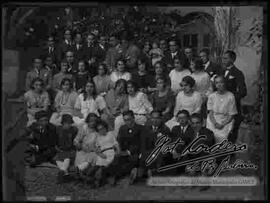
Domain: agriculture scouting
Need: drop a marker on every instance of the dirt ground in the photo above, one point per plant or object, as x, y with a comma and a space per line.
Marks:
41, 182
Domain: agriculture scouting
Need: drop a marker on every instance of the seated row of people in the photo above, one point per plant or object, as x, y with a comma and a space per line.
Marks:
94, 153
126, 96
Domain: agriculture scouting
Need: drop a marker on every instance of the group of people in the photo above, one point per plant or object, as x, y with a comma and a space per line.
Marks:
97, 105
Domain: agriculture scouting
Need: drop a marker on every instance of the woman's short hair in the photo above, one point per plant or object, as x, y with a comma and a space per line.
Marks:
198, 64
182, 61
103, 123
34, 81
134, 84
119, 82
67, 80
189, 80
223, 78
89, 116
129, 113
104, 67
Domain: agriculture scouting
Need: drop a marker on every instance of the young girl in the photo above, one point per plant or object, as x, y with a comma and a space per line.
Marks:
81, 77
107, 146
65, 149
89, 102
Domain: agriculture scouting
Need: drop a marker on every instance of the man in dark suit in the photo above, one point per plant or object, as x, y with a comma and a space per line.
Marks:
211, 68
51, 50
78, 47
113, 53
72, 64
196, 121
170, 55
155, 129
89, 50
187, 135
235, 83
65, 45
101, 49
131, 144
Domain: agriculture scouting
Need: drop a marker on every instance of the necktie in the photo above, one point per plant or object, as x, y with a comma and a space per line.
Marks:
182, 130
226, 73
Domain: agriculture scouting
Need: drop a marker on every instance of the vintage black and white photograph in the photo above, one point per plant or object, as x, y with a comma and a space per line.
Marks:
126, 101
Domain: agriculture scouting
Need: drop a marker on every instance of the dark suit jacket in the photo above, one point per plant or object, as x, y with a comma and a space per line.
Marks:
132, 139
63, 48
235, 82
213, 69
100, 53
168, 59
54, 54
79, 53
209, 141
187, 137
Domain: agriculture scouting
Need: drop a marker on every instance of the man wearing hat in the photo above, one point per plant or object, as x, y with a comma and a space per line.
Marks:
42, 140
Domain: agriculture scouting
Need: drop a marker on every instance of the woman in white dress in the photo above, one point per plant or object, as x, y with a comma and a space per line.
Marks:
221, 106
203, 82
89, 102
36, 99
64, 102
138, 103
120, 72
85, 142
188, 99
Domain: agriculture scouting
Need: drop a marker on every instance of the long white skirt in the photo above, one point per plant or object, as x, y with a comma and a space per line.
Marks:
220, 134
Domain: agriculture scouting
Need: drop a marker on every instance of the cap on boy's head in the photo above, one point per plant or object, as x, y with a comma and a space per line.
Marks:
41, 114
66, 118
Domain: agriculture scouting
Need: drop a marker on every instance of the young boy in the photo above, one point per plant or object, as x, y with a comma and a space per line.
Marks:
42, 140
65, 149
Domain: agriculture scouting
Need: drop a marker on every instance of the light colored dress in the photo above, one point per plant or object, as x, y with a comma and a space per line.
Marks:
90, 105
191, 103
106, 142
203, 83
88, 138
222, 106
176, 78
140, 105
35, 102
65, 103
116, 76
103, 84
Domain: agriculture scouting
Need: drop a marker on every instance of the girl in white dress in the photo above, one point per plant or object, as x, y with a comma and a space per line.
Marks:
138, 103
221, 106
89, 102
188, 99
85, 142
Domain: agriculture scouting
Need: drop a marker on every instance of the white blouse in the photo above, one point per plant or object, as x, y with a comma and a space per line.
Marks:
90, 105
140, 104
116, 76
191, 103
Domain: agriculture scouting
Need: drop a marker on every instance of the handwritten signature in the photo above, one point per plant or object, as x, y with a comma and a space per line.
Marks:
208, 163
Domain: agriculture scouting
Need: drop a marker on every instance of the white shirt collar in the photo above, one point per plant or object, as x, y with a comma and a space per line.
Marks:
229, 67
206, 64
